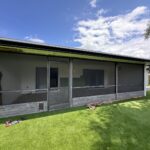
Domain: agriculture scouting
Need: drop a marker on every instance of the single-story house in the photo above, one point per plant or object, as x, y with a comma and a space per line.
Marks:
37, 77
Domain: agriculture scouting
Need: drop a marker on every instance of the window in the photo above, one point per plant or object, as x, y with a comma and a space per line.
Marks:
93, 77
41, 78
54, 77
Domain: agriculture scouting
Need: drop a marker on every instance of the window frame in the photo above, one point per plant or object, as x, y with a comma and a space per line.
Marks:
52, 88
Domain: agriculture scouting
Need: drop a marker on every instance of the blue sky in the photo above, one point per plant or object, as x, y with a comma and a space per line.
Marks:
58, 22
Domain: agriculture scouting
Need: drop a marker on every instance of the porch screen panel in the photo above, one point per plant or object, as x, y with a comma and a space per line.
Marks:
93, 78
59, 82
20, 78
130, 77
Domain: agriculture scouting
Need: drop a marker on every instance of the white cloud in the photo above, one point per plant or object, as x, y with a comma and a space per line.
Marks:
93, 3
34, 39
121, 34
101, 12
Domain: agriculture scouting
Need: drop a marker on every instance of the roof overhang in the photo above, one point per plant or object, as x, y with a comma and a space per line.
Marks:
35, 49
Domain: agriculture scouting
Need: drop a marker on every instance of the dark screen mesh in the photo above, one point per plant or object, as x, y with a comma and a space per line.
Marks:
130, 77
93, 78
23, 78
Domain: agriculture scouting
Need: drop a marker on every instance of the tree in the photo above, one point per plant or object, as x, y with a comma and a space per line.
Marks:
147, 32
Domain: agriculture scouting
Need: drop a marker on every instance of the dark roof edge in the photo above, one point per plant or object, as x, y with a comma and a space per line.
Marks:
28, 44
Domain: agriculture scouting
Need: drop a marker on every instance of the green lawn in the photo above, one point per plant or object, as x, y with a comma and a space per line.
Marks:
122, 126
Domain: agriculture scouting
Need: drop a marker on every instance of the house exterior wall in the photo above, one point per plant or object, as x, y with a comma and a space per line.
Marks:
19, 71
108, 67
81, 101
130, 82
58, 97
130, 77
21, 109
19, 75
80, 86
128, 95
108, 98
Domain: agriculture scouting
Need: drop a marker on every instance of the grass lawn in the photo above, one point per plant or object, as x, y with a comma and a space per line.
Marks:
122, 126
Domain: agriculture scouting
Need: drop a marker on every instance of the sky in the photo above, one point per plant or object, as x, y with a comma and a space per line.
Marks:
100, 25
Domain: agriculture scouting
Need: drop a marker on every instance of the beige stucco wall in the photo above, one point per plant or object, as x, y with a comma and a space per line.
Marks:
19, 74
108, 67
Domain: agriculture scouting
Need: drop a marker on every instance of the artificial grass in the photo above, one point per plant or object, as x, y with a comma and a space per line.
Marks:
121, 126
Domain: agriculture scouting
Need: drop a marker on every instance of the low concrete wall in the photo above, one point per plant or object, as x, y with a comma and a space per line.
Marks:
128, 95
59, 106
29, 108
81, 101
21, 109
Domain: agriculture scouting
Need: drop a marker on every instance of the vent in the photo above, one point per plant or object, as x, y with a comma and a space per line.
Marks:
41, 106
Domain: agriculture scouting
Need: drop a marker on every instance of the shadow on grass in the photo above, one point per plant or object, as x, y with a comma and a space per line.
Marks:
125, 127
